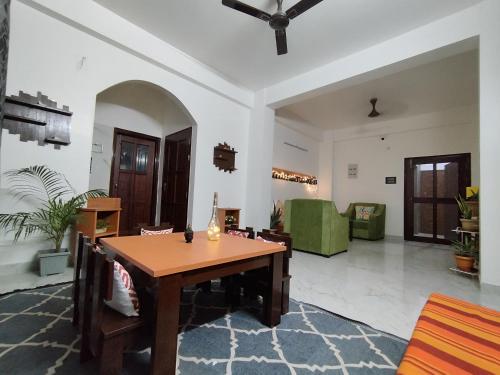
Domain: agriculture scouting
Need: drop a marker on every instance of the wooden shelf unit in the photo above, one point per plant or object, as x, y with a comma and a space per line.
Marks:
100, 208
223, 212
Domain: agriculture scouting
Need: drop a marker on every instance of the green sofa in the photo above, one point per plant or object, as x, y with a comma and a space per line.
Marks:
316, 226
371, 229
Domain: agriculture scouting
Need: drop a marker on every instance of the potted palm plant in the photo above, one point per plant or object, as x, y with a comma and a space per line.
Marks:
465, 254
469, 223
275, 218
57, 210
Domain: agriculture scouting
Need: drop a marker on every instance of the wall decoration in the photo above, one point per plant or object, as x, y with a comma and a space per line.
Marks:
37, 118
4, 52
283, 174
352, 171
224, 157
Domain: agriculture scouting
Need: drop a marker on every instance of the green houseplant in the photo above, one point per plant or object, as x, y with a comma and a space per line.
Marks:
468, 222
465, 253
275, 219
57, 210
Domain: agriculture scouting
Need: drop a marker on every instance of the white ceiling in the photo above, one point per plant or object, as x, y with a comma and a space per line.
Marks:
243, 49
436, 86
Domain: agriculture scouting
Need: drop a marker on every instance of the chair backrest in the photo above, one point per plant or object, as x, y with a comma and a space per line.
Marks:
98, 270
145, 226
76, 279
249, 230
278, 237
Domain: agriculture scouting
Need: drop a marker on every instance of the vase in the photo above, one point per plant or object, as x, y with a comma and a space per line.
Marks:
213, 230
470, 225
188, 236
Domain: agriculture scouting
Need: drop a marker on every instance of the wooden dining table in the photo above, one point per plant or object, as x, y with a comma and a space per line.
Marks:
175, 264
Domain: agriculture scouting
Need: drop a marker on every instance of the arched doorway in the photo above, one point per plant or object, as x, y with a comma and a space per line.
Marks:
134, 121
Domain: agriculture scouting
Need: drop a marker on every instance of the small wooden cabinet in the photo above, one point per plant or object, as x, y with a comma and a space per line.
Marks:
224, 212
107, 209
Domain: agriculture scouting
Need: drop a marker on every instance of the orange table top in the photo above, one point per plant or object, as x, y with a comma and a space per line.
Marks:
167, 254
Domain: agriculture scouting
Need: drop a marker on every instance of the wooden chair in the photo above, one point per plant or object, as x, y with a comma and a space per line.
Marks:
232, 284
105, 332
254, 282
77, 279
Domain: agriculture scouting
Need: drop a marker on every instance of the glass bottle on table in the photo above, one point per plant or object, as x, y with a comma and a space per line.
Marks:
213, 230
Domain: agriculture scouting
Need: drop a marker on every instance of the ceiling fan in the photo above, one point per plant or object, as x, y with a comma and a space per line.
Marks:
278, 21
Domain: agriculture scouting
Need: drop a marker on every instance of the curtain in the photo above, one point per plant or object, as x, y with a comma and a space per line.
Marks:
4, 51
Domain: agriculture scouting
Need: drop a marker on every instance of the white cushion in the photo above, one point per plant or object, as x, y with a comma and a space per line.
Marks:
125, 298
145, 232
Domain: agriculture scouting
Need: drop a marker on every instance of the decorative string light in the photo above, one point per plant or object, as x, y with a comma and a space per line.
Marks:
283, 174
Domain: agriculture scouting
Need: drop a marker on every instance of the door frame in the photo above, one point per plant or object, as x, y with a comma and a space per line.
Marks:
408, 193
130, 133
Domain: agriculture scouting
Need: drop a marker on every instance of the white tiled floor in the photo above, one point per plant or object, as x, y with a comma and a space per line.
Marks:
383, 283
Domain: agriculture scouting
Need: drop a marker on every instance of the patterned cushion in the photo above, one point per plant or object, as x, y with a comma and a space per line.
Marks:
453, 337
363, 213
237, 233
125, 298
145, 232
259, 238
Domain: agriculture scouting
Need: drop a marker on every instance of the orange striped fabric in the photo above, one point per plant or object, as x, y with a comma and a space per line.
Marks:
453, 337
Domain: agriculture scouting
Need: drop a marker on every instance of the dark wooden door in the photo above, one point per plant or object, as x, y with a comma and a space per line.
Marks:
134, 178
175, 186
431, 185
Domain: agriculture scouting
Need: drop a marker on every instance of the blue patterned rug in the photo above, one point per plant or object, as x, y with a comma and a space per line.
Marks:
36, 337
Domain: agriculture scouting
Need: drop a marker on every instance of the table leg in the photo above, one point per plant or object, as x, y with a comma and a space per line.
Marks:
166, 322
272, 305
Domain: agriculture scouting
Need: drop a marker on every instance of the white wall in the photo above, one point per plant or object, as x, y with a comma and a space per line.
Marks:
450, 132
56, 69
293, 159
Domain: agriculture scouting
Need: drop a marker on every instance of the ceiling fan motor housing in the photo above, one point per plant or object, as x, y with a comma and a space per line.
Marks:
279, 21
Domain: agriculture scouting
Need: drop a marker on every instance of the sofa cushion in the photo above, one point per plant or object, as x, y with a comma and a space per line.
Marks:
364, 212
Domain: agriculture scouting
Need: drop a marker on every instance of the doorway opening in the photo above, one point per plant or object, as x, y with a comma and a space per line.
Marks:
134, 177
175, 184
133, 121
431, 185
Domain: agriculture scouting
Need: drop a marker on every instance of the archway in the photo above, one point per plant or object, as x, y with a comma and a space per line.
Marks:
132, 121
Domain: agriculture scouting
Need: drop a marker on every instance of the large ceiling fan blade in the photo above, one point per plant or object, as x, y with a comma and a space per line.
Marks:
247, 9
281, 42
301, 7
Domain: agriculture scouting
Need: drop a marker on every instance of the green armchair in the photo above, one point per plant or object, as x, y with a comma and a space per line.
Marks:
316, 226
371, 229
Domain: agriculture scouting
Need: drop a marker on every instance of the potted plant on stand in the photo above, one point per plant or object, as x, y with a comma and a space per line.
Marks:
57, 210
465, 254
469, 223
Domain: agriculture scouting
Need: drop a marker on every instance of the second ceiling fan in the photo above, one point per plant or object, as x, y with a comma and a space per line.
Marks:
278, 21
